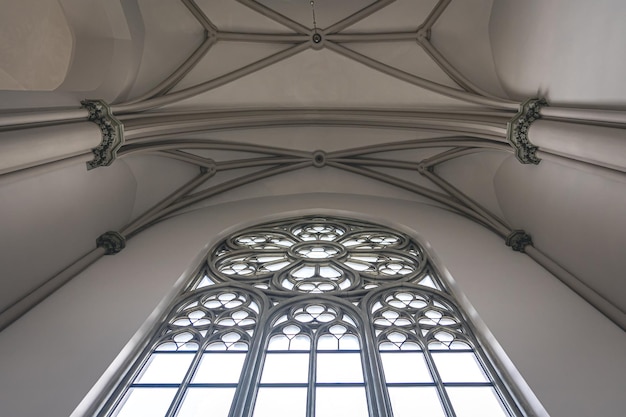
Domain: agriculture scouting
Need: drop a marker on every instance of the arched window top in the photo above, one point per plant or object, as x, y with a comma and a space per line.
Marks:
318, 255
313, 317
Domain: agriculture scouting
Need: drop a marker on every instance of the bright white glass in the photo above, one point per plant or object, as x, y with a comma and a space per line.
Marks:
415, 401
200, 402
300, 342
349, 342
341, 402
146, 402
165, 368
278, 342
405, 367
339, 367
280, 402
475, 402
286, 368
459, 367
217, 367
327, 342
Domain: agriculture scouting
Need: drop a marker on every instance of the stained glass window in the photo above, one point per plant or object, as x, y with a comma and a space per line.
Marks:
314, 317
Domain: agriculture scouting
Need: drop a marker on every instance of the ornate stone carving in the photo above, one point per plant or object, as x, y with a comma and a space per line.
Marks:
112, 133
517, 130
518, 240
112, 242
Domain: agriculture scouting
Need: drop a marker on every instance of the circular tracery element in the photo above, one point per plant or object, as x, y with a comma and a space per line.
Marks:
318, 255
317, 250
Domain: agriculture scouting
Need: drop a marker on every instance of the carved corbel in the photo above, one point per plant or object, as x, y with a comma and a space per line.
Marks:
112, 242
112, 133
518, 128
518, 240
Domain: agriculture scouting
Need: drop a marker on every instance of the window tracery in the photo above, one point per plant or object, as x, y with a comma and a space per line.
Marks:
314, 317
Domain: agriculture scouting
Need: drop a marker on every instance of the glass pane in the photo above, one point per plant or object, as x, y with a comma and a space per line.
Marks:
339, 367
405, 367
300, 342
286, 368
349, 342
146, 402
327, 342
204, 282
200, 402
414, 401
279, 342
459, 367
219, 367
475, 402
428, 282
280, 402
165, 368
340, 401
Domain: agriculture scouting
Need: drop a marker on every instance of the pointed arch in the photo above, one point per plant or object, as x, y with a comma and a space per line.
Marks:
309, 316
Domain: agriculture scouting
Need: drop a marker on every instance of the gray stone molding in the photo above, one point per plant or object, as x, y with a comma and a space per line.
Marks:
112, 242
112, 133
518, 240
518, 128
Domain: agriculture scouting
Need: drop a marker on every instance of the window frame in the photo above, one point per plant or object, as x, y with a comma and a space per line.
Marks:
380, 405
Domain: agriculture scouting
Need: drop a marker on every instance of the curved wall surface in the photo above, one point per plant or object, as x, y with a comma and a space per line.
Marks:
569, 51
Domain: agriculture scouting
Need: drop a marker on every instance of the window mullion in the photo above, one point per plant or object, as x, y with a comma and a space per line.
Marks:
310, 406
443, 395
374, 379
182, 389
250, 375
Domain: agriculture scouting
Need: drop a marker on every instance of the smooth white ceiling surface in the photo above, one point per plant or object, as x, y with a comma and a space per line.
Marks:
49, 221
41, 28
309, 78
576, 217
327, 12
569, 51
318, 79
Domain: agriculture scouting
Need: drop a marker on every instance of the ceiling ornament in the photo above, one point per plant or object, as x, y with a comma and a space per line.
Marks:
519, 127
112, 133
112, 242
518, 240
302, 38
317, 37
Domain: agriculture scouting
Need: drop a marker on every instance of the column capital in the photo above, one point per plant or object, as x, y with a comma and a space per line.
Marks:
112, 242
518, 240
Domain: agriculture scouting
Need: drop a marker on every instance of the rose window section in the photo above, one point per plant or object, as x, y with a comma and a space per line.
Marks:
319, 256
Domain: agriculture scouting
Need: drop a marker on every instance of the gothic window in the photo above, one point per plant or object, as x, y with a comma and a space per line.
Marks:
314, 316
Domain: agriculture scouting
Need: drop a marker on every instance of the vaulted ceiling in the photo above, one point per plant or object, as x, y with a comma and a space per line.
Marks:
225, 100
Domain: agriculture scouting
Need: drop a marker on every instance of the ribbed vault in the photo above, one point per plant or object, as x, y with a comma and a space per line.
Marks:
211, 78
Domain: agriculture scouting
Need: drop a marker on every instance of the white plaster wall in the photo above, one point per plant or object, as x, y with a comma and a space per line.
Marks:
575, 217
47, 221
462, 36
570, 51
571, 356
36, 46
103, 56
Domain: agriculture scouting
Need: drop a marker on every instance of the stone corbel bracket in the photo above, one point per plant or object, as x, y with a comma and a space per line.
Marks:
112, 133
518, 128
112, 242
518, 240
